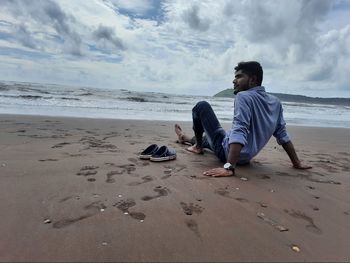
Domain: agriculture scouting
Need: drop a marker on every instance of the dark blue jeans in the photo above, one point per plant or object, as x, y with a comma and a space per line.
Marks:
205, 121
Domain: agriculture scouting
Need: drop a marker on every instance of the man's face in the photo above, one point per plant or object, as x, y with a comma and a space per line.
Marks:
241, 82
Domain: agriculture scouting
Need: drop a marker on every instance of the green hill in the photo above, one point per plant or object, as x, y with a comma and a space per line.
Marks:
228, 93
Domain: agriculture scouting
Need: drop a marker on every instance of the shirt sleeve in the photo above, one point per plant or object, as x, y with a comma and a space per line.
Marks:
241, 121
280, 133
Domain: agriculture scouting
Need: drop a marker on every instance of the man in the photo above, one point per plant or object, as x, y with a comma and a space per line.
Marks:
257, 116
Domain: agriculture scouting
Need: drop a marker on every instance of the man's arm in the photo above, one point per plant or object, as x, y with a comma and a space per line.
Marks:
234, 152
240, 128
233, 157
289, 148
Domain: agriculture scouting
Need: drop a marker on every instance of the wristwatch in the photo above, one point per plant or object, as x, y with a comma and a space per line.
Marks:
230, 167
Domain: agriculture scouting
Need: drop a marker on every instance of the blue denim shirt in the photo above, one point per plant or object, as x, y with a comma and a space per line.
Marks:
257, 116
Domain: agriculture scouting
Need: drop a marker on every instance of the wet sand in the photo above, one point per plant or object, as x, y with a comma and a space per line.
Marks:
74, 190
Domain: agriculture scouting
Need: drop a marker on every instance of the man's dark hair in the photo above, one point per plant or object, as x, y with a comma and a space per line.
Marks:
251, 68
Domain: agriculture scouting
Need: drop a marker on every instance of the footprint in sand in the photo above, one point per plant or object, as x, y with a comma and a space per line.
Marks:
161, 191
315, 208
241, 199
133, 160
265, 176
94, 208
324, 181
225, 193
66, 222
60, 145
128, 167
124, 206
110, 164
64, 199
87, 173
167, 174
110, 135
190, 208
310, 226
193, 226
145, 179
272, 222
91, 142
138, 162
88, 170
97, 205
110, 175
282, 174
89, 167
168, 171
176, 169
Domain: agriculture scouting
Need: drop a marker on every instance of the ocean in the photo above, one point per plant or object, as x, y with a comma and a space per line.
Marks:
87, 102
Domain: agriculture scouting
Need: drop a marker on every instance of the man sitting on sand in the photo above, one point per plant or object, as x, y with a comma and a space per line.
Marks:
257, 116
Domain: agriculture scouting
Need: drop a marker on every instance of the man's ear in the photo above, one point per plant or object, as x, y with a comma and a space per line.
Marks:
252, 81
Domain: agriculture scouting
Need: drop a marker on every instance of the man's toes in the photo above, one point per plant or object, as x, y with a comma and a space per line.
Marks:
179, 132
194, 149
178, 129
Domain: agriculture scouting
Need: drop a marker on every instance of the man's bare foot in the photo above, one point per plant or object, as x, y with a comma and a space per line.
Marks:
195, 149
180, 134
182, 138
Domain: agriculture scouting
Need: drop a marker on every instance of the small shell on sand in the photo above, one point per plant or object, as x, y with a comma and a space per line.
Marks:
295, 248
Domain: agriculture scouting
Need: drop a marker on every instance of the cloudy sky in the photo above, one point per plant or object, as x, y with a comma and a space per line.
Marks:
177, 46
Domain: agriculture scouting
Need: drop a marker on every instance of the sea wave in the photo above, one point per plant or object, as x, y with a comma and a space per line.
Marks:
60, 100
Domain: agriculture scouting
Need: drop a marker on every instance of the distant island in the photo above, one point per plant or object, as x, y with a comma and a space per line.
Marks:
228, 93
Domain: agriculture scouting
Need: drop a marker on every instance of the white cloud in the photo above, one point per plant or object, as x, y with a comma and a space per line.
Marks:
136, 6
177, 46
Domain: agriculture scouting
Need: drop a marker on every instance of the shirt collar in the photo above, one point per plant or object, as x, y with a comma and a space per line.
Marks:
258, 88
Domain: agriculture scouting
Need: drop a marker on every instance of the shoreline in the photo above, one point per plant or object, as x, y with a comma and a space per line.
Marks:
225, 124
73, 189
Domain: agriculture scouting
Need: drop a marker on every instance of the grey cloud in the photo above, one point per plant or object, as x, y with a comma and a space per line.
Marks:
191, 17
54, 15
108, 35
321, 73
285, 24
25, 37
262, 22
311, 13
314, 10
229, 9
334, 57
48, 13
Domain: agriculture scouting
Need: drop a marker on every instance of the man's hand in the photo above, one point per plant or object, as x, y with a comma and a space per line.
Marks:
301, 166
219, 172
289, 148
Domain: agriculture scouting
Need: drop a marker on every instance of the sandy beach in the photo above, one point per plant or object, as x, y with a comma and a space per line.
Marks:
73, 189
